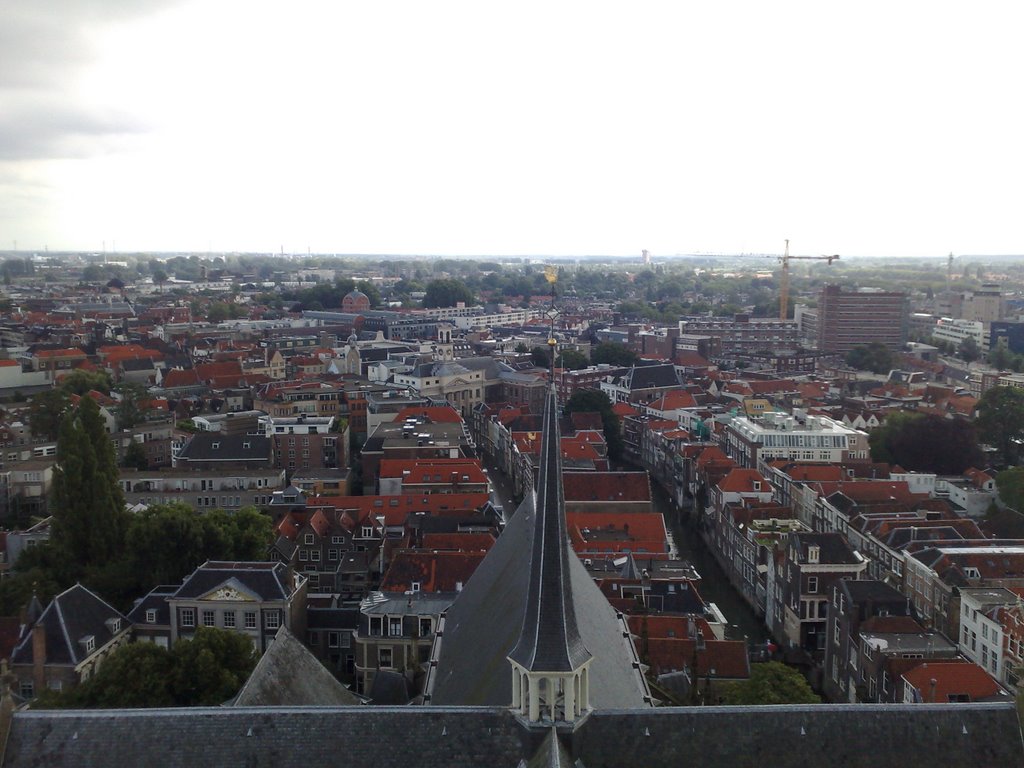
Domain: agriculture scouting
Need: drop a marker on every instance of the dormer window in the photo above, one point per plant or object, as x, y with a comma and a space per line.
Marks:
813, 553
214, 446
89, 643
151, 615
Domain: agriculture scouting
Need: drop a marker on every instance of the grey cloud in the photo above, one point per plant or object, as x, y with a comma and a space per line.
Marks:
44, 47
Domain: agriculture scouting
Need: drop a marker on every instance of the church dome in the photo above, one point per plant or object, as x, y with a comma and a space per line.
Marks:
355, 301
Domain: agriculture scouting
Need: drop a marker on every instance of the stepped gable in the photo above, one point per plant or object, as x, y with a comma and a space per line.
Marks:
531, 599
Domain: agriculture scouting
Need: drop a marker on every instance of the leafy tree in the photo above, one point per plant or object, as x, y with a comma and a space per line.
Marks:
136, 675
613, 354
874, 357
521, 348
541, 357
594, 400
926, 443
1000, 357
446, 293
968, 351
79, 381
1000, 421
573, 359
45, 411
220, 311
135, 456
89, 517
211, 667
770, 683
129, 413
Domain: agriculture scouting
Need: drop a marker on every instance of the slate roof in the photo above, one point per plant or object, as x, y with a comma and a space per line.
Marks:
215, 446
848, 735
289, 675
73, 615
550, 640
269, 581
485, 621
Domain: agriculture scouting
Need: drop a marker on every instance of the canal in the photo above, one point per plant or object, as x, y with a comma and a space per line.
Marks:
714, 586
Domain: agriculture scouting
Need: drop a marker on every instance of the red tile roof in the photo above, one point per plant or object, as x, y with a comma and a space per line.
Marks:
432, 571
458, 542
438, 414
606, 486
744, 481
395, 509
952, 680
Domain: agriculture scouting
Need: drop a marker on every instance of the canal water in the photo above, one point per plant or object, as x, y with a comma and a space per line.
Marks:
714, 586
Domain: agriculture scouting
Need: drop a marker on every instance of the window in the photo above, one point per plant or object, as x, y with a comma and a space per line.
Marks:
426, 627
395, 626
250, 619
333, 639
272, 619
812, 584
310, 538
229, 619
27, 689
415, 586
315, 555
332, 555
188, 617
376, 626
384, 658
303, 554
209, 619
151, 615
335, 539
984, 631
90, 644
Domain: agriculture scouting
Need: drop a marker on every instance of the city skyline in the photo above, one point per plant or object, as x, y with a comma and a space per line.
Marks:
464, 130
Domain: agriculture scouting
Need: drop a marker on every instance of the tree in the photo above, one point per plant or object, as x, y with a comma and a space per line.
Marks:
136, 675
135, 457
874, 357
211, 667
613, 354
159, 277
968, 351
572, 359
521, 348
89, 517
926, 443
129, 412
1000, 357
541, 357
446, 293
79, 381
1000, 421
594, 400
770, 683
45, 411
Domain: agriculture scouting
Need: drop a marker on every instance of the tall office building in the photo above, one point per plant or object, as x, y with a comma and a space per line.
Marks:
847, 319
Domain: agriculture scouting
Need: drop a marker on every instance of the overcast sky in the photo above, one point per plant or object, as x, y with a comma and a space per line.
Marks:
873, 128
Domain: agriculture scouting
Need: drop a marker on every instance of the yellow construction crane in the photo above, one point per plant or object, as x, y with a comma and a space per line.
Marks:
784, 281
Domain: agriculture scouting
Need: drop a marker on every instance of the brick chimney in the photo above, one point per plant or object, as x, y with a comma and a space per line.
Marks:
39, 658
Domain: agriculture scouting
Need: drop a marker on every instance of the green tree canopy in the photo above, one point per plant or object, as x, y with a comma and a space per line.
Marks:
613, 354
968, 351
211, 667
572, 359
45, 411
447, 293
1000, 421
926, 443
206, 670
89, 517
78, 382
770, 683
874, 357
594, 400
135, 456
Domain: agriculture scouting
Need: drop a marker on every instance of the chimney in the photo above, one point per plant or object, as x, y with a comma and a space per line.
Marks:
39, 658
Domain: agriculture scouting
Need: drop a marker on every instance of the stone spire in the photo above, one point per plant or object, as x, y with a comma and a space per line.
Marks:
549, 662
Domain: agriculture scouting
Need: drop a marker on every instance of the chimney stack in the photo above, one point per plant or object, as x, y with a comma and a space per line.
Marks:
39, 658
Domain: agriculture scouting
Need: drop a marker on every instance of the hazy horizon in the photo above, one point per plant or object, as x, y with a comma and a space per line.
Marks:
463, 129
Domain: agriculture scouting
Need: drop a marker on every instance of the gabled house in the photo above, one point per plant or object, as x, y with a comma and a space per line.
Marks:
68, 642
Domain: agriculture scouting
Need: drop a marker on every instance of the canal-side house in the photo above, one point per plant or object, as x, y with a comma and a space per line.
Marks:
811, 564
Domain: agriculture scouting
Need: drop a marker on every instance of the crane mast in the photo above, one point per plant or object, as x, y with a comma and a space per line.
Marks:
784, 279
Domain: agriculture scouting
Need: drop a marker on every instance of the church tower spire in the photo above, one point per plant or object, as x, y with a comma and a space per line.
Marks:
550, 676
